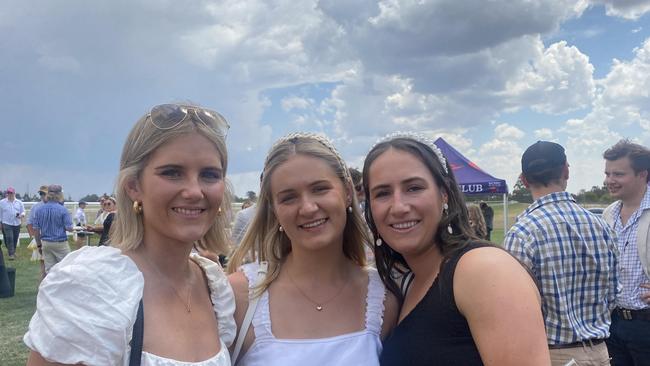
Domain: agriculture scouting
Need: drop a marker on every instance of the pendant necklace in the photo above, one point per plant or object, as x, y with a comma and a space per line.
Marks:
318, 305
186, 303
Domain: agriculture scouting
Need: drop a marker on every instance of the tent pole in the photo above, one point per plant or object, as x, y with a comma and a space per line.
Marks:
505, 214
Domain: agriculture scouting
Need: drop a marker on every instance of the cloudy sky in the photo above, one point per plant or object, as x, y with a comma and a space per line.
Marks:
490, 76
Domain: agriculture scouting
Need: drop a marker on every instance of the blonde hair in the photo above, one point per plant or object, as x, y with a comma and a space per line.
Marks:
127, 232
263, 241
477, 221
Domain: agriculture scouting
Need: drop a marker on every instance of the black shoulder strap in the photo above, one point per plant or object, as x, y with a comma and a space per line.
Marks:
136, 339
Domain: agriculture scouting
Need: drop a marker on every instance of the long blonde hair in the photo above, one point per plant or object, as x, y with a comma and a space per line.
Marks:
263, 241
127, 231
477, 221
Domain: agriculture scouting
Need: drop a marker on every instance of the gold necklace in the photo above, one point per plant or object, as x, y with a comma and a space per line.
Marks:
318, 305
187, 304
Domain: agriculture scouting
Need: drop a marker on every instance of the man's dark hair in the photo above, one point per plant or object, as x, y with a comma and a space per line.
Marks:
639, 155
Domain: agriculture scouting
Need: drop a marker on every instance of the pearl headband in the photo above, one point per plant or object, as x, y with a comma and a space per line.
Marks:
319, 138
419, 138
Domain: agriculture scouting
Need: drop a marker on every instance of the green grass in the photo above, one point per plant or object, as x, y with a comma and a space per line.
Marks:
514, 209
16, 311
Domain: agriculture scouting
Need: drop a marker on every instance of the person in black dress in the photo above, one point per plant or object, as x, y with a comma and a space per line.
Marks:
464, 302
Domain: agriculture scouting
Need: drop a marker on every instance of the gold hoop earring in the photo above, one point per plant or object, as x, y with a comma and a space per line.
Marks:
137, 207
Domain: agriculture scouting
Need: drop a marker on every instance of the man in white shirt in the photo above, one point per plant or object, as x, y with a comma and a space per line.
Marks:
80, 215
242, 219
627, 177
11, 213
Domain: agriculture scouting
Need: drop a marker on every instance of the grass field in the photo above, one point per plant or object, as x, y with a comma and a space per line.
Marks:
16, 311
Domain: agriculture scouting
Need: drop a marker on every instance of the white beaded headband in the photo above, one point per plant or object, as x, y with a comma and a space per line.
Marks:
419, 138
322, 140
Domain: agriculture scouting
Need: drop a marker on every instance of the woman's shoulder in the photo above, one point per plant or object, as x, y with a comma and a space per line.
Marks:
94, 273
489, 267
222, 296
479, 257
89, 300
107, 264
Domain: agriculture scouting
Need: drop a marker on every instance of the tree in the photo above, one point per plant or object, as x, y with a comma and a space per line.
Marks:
520, 193
594, 195
90, 198
251, 196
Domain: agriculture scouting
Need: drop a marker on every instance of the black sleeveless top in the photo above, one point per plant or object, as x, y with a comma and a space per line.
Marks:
434, 332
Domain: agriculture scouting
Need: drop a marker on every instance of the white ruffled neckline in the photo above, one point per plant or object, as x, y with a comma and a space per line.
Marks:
222, 296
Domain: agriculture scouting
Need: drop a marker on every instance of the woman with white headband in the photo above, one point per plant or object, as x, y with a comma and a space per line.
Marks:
308, 299
464, 302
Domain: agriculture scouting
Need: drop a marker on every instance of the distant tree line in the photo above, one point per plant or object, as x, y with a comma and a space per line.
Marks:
519, 193
596, 195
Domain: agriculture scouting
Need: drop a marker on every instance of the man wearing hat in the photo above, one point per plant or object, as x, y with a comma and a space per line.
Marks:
51, 221
42, 192
572, 253
11, 213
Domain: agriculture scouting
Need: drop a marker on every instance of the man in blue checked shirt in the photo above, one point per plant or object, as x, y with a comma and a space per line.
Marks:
51, 221
627, 167
573, 255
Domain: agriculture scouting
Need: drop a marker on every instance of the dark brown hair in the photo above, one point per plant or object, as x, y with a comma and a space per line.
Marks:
388, 260
639, 155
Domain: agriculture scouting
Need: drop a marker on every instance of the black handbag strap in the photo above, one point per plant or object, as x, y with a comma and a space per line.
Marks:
136, 339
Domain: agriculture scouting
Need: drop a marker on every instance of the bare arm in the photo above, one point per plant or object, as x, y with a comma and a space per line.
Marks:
502, 306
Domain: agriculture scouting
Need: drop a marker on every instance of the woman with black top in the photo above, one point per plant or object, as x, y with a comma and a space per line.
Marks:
464, 302
109, 206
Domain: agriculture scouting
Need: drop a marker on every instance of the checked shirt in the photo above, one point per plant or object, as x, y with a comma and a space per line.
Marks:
631, 270
572, 253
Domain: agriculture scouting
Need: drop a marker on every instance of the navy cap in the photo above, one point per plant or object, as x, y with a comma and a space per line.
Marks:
541, 156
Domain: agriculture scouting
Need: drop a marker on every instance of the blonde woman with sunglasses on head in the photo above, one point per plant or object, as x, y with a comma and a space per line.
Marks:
317, 303
147, 300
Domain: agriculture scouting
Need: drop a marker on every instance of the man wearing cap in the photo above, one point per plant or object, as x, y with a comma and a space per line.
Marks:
627, 172
51, 221
11, 213
42, 192
572, 253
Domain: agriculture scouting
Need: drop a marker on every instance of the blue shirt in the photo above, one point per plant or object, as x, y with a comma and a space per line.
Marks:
573, 255
32, 211
52, 219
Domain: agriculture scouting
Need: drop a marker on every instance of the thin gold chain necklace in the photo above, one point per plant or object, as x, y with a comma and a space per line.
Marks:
186, 303
319, 305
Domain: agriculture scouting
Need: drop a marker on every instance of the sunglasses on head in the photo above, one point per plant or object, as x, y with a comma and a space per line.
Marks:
168, 116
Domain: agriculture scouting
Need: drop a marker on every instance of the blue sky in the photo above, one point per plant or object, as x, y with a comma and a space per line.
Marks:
491, 77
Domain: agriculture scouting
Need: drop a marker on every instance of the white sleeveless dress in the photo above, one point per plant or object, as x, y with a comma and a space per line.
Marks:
360, 348
87, 305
